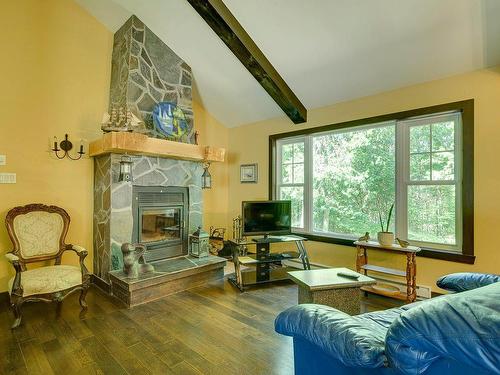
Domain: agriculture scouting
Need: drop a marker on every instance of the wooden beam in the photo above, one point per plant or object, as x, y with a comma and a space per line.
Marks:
227, 27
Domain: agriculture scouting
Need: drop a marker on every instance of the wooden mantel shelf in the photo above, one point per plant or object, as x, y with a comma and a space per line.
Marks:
140, 144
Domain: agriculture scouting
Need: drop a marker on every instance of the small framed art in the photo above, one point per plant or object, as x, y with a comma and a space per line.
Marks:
248, 173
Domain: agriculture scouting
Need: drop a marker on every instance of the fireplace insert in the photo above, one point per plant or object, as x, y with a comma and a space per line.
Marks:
160, 220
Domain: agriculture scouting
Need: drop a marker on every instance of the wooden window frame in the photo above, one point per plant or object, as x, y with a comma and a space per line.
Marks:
466, 107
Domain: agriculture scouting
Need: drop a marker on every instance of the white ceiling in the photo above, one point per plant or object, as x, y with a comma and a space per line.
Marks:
327, 51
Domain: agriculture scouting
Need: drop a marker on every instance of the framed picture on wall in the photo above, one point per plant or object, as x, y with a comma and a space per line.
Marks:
248, 173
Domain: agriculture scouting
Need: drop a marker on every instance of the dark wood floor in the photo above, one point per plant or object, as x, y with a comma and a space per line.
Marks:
213, 329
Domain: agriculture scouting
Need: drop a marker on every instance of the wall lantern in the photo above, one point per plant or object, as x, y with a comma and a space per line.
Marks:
206, 178
125, 168
199, 243
66, 146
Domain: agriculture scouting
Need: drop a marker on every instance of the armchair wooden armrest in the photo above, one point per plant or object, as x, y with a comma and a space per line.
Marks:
82, 253
12, 258
16, 285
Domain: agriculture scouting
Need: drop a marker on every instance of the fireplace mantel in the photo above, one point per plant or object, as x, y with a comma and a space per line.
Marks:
140, 144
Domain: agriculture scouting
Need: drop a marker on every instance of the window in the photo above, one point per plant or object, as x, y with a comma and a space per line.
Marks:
341, 177
429, 208
292, 178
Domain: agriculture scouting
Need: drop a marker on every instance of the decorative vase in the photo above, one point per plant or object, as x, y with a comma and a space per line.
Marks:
385, 238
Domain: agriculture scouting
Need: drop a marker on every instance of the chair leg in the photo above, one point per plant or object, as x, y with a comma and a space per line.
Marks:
16, 308
83, 294
58, 309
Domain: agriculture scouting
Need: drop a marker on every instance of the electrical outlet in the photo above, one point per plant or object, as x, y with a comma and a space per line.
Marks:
3, 159
7, 178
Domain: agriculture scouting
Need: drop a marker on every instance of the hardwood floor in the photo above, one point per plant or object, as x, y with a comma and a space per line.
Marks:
213, 329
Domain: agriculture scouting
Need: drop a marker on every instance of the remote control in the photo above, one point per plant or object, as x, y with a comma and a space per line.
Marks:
348, 275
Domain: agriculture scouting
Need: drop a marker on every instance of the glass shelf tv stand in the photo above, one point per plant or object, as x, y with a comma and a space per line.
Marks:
263, 266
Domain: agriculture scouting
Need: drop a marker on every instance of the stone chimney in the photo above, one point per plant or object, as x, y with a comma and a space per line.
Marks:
145, 71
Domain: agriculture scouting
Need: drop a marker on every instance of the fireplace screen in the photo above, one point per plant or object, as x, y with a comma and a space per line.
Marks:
160, 224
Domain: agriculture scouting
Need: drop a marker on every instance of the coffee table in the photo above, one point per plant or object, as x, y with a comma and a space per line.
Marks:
326, 287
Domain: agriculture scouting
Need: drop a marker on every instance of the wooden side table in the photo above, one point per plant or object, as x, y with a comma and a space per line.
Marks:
410, 273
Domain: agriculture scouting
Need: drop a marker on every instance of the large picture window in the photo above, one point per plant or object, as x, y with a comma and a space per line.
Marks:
340, 178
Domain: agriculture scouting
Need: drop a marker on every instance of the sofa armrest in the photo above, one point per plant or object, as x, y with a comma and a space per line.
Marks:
462, 327
460, 282
345, 338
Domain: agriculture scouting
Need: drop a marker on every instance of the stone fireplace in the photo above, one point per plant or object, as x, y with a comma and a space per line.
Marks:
165, 196
163, 203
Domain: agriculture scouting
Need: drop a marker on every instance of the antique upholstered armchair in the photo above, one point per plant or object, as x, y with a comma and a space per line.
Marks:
38, 233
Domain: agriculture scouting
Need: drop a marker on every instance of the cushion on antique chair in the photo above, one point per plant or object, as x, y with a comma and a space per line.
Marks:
49, 279
38, 233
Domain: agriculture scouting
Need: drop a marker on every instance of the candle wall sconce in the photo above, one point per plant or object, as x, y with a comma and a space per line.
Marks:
65, 146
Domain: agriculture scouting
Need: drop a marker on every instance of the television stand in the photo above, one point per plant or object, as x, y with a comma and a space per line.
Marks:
264, 266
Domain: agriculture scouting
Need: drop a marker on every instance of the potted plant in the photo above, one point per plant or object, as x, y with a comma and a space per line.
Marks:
385, 238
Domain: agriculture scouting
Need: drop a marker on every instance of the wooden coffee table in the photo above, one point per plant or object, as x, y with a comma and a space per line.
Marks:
326, 287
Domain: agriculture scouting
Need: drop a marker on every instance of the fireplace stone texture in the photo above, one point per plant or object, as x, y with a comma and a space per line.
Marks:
144, 72
113, 215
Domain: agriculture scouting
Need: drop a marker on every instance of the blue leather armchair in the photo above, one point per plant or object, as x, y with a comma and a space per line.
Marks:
455, 334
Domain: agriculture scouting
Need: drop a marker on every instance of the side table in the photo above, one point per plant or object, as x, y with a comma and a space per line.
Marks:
326, 287
410, 273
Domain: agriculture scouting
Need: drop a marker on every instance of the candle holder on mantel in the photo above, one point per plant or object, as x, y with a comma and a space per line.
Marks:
66, 146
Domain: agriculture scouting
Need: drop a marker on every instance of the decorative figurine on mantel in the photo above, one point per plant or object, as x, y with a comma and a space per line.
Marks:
365, 238
133, 260
120, 120
199, 243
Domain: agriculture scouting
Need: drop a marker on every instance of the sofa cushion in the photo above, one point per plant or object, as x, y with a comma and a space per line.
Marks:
462, 327
355, 341
463, 281
49, 279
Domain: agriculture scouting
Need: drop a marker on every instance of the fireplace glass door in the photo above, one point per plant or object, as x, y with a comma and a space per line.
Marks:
160, 224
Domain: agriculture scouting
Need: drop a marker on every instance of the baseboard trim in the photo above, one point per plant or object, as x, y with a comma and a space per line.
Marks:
100, 283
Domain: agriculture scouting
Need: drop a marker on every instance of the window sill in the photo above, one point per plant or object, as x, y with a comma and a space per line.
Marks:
425, 252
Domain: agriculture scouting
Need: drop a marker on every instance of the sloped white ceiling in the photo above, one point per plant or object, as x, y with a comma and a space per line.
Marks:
326, 50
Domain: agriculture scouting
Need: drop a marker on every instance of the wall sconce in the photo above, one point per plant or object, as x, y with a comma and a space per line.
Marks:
66, 146
125, 168
206, 178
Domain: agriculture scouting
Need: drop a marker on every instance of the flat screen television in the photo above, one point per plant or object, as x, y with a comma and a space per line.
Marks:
266, 217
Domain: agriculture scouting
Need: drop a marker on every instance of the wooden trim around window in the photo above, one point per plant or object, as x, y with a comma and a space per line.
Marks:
467, 109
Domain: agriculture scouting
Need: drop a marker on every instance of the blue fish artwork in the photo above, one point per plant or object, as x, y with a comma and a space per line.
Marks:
169, 120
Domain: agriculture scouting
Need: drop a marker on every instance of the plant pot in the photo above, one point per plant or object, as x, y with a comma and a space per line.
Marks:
385, 238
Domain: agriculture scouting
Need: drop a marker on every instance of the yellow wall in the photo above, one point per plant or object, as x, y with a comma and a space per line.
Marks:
215, 200
55, 79
56, 66
249, 144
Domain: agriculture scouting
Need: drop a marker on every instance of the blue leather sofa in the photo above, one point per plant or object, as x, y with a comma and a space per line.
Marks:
457, 333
